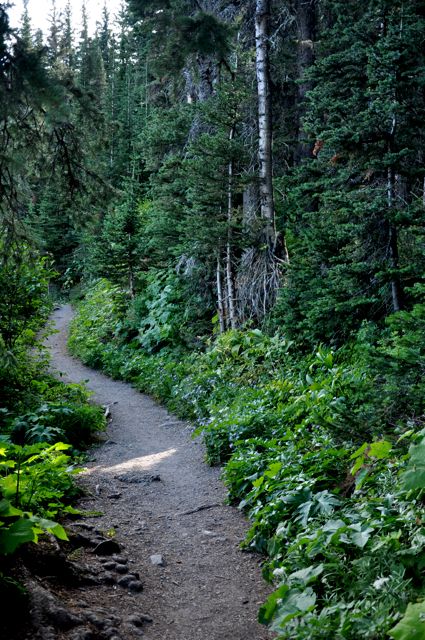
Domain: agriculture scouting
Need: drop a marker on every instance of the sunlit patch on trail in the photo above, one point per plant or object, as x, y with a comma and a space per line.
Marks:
143, 463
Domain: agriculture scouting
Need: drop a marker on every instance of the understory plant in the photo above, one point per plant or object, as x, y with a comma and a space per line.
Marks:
319, 454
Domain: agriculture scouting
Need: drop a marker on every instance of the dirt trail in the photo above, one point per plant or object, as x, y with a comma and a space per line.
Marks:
151, 483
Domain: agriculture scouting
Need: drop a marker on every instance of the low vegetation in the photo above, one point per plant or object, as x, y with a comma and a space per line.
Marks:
44, 424
319, 449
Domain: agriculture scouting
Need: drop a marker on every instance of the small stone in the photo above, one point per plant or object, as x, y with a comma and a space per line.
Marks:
136, 620
145, 617
110, 565
139, 620
110, 634
125, 580
157, 560
107, 548
64, 619
121, 568
109, 578
82, 635
114, 496
120, 559
136, 586
95, 620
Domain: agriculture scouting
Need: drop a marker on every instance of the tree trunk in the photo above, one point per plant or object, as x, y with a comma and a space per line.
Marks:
262, 18
229, 269
396, 289
265, 154
306, 12
220, 303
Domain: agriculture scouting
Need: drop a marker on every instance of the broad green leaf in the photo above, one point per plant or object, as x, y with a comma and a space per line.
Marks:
18, 533
273, 469
306, 575
268, 609
361, 534
294, 604
6, 509
360, 451
414, 479
334, 525
414, 476
51, 526
380, 449
412, 625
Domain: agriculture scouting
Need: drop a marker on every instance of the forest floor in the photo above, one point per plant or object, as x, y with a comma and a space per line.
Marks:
182, 573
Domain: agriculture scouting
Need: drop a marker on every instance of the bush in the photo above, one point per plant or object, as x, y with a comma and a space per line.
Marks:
342, 533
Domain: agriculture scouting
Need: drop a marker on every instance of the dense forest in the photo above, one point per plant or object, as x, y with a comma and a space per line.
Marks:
233, 194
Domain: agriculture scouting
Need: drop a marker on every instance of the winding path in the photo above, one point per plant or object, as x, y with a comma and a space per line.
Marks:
151, 483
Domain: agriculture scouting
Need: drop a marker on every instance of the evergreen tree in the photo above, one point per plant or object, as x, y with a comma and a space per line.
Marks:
361, 195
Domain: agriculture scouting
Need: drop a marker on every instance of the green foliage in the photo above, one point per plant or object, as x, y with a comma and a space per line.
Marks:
309, 455
76, 424
100, 312
35, 483
24, 300
412, 625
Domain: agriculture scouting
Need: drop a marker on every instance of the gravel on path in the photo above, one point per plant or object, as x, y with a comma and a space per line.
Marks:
165, 507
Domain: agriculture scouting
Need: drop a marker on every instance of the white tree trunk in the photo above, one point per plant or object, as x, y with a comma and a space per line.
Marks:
276, 243
262, 18
220, 304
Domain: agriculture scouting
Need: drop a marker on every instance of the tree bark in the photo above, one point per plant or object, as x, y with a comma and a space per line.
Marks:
220, 304
229, 269
265, 132
306, 12
396, 288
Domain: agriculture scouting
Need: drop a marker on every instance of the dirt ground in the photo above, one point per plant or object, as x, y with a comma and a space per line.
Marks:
178, 573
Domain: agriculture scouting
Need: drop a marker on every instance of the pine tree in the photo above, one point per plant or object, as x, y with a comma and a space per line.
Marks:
361, 193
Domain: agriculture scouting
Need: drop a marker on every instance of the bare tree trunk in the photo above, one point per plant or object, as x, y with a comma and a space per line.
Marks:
396, 289
306, 11
265, 154
262, 18
229, 268
220, 304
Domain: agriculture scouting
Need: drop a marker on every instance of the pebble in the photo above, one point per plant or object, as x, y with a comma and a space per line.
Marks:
157, 560
139, 620
63, 618
121, 568
125, 580
119, 559
145, 617
110, 634
114, 496
82, 635
135, 585
136, 620
95, 620
109, 565
109, 578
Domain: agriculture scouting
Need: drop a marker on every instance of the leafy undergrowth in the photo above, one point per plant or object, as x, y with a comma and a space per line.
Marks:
318, 449
44, 427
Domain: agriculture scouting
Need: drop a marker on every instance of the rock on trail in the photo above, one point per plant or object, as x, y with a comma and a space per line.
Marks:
178, 572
